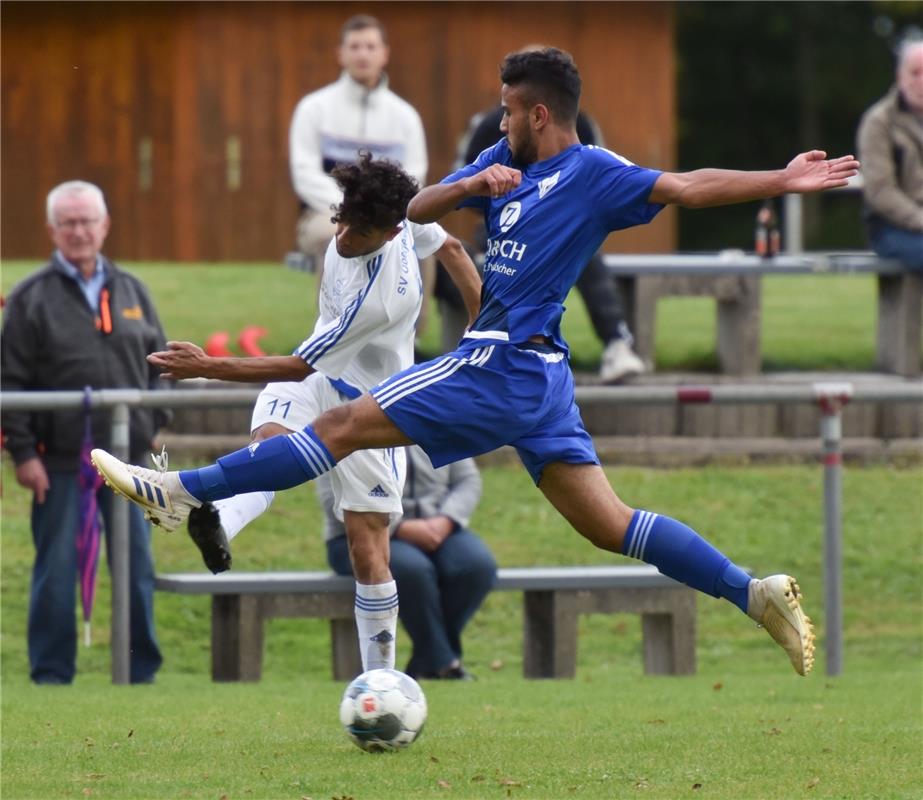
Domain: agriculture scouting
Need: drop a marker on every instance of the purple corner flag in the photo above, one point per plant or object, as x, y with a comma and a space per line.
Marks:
88, 532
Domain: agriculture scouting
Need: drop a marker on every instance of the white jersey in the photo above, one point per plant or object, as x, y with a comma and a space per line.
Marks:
368, 309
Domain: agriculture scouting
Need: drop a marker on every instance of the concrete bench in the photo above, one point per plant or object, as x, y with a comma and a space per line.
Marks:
553, 599
734, 279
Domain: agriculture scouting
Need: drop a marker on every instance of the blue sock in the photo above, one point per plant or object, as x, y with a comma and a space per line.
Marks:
680, 553
277, 463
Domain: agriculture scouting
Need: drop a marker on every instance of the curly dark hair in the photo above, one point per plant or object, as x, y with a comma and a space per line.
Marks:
547, 76
375, 193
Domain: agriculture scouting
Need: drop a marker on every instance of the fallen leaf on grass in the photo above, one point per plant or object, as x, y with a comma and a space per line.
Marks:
642, 783
812, 783
509, 782
696, 786
656, 722
718, 686
131, 733
496, 664
434, 759
443, 784
773, 731
478, 778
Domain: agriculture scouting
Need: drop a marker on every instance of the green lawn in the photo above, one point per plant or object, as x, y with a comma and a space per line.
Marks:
809, 322
744, 726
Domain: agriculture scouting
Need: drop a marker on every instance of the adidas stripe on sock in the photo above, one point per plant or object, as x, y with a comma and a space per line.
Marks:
680, 553
277, 463
376, 622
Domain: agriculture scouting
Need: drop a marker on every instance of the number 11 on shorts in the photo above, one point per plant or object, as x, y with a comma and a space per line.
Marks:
283, 407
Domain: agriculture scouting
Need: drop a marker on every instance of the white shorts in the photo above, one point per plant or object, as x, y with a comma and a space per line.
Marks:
367, 480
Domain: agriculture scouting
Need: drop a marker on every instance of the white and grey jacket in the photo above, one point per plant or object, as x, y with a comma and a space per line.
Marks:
331, 125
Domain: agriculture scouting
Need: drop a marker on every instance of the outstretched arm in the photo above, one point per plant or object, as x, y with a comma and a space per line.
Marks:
463, 273
807, 172
188, 360
434, 202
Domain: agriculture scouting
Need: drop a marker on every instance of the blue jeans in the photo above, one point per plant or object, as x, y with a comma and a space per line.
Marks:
53, 599
898, 243
438, 592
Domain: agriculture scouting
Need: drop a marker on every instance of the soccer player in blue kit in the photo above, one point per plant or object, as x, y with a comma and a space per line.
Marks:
548, 203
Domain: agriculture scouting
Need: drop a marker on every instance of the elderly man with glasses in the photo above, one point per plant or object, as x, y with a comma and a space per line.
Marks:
79, 321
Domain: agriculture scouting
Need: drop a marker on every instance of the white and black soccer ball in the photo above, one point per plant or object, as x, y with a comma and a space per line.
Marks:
383, 709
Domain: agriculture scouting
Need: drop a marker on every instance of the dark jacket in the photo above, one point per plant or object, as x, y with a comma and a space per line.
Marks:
52, 340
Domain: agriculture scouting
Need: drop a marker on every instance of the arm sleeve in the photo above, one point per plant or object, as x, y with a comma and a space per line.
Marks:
619, 190
464, 492
314, 186
492, 155
334, 344
882, 192
427, 239
17, 355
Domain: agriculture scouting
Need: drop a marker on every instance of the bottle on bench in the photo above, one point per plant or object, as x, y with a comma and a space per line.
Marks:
767, 231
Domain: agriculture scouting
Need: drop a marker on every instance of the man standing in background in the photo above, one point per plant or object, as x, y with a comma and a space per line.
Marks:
80, 321
331, 125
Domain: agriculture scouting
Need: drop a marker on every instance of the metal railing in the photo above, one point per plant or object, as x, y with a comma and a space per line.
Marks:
829, 397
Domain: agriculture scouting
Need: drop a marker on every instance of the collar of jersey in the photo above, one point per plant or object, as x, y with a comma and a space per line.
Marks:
369, 256
550, 163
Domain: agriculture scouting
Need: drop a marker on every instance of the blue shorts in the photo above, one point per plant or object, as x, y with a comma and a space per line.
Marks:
483, 396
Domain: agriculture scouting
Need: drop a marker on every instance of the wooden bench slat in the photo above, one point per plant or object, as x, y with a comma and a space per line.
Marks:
508, 579
734, 263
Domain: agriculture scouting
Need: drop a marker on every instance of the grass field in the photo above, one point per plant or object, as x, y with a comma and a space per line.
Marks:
744, 727
809, 322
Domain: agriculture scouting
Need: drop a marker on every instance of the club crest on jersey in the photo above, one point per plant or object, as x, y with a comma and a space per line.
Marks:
547, 184
509, 215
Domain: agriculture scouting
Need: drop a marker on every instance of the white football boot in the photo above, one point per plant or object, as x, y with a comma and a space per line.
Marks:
619, 361
774, 602
160, 494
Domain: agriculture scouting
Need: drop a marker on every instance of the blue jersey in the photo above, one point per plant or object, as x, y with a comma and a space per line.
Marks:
541, 235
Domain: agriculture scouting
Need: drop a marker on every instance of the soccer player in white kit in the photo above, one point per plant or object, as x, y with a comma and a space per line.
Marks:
369, 301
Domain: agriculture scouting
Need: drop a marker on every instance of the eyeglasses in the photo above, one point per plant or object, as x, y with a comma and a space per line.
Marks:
73, 224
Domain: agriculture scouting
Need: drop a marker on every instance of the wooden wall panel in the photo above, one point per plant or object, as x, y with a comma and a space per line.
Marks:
144, 98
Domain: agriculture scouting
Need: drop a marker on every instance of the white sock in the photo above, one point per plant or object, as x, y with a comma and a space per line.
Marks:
241, 509
376, 620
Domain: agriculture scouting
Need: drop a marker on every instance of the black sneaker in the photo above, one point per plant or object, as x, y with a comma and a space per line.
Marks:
455, 672
205, 530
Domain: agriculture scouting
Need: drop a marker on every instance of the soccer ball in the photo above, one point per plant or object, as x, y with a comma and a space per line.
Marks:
383, 709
